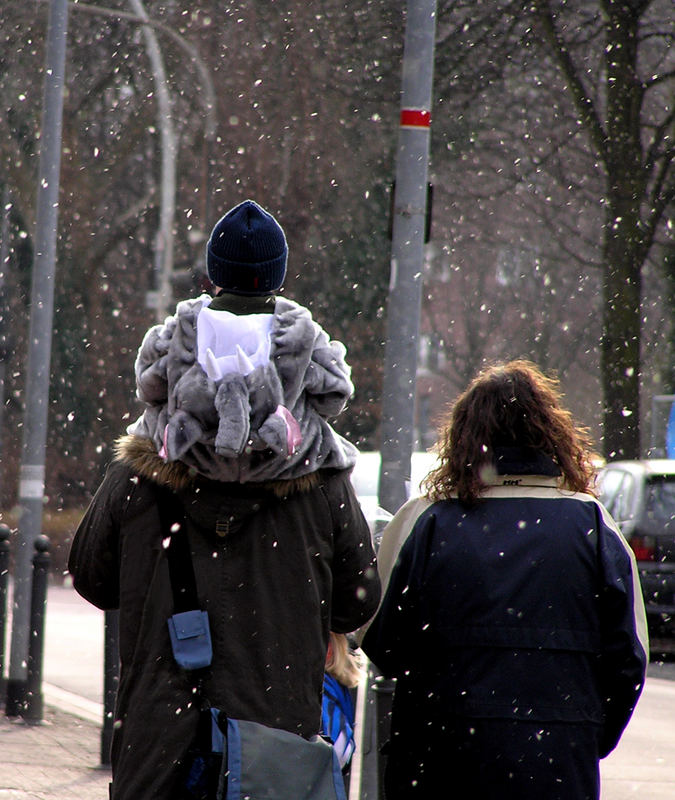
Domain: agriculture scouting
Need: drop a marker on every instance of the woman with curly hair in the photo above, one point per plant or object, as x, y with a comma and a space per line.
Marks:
513, 619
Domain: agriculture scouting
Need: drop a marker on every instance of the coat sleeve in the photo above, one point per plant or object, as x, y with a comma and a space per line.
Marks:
94, 561
356, 584
394, 536
391, 639
328, 377
625, 648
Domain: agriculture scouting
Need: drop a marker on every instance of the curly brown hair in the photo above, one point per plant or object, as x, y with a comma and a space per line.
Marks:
507, 405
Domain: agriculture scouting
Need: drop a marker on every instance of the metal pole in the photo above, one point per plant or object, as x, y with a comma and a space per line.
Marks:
31, 476
164, 247
161, 298
403, 317
407, 255
384, 698
206, 82
4, 587
365, 785
4, 265
111, 671
38, 606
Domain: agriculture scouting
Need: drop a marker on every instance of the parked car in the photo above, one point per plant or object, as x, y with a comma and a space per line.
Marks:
640, 496
366, 480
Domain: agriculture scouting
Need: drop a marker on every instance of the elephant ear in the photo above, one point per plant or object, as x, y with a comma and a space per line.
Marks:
234, 410
182, 431
196, 392
281, 432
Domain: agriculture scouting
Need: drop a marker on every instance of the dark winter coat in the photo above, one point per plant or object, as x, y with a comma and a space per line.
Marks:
277, 566
516, 632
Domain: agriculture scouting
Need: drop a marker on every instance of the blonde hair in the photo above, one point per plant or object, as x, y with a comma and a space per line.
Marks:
345, 665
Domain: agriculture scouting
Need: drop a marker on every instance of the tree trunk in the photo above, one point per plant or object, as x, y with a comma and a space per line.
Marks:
623, 254
620, 353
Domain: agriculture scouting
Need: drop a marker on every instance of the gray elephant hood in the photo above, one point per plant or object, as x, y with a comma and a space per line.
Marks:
250, 415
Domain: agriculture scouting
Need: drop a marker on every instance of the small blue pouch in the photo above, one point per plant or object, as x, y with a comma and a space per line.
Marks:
191, 639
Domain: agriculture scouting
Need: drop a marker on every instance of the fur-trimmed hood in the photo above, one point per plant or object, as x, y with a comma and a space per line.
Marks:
140, 454
263, 420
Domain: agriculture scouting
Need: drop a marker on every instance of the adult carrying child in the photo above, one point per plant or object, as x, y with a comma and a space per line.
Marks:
237, 392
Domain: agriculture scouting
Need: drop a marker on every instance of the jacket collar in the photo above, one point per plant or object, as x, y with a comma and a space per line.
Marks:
522, 466
525, 461
244, 304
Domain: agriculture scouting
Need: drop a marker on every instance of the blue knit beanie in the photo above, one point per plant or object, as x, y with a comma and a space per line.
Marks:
247, 251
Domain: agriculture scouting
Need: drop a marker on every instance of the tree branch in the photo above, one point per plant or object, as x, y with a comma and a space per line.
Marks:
659, 135
582, 101
661, 196
664, 76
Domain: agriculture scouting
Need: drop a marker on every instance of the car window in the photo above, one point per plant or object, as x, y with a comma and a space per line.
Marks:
617, 489
609, 481
625, 505
660, 500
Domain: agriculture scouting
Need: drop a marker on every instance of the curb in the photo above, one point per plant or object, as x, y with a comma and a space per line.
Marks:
73, 704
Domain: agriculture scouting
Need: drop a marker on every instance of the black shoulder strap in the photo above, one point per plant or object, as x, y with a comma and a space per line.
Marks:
181, 572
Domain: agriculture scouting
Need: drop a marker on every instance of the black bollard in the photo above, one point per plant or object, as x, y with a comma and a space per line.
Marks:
111, 677
4, 591
38, 605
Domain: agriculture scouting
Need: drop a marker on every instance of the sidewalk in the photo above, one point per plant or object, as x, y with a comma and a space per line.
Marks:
60, 758
56, 760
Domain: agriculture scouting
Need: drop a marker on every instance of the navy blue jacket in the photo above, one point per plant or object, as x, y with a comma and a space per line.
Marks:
524, 607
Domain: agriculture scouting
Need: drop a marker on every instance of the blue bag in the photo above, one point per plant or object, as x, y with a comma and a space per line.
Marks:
264, 763
191, 639
249, 761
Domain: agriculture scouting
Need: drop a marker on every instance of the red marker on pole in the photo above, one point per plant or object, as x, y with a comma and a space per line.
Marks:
415, 118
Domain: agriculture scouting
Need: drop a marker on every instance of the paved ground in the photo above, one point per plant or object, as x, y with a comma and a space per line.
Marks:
56, 760
60, 759
643, 765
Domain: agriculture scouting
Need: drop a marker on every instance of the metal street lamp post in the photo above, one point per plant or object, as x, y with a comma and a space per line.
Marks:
407, 255
403, 319
31, 478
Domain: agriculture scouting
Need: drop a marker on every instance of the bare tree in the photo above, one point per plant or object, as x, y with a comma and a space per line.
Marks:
557, 118
302, 126
626, 109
